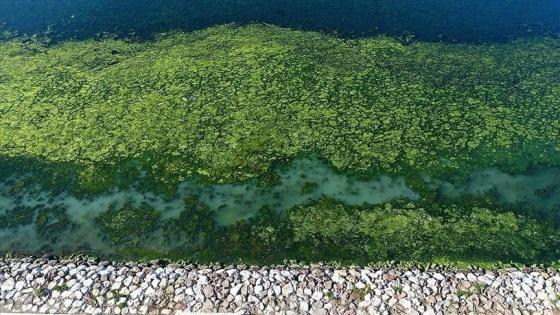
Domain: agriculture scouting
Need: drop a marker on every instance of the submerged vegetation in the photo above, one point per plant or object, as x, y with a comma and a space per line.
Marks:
232, 103
328, 230
127, 223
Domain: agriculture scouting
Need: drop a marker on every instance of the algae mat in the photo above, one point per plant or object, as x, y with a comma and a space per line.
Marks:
229, 102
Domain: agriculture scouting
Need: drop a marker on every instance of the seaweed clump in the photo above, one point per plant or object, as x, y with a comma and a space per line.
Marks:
127, 223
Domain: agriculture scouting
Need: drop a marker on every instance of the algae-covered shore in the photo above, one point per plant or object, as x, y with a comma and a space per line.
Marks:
237, 106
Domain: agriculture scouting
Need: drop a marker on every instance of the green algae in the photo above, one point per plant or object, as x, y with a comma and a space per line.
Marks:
127, 223
229, 102
20, 215
52, 222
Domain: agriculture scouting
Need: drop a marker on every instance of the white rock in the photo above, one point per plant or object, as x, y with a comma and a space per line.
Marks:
149, 292
526, 288
232, 272
127, 281
155, 283
496, 283
124, 291
460, 276
136, 293
29, 277
178, 298
89, 309
317, 295
376, 301
258, 289
100, 300
40, 281
304, 306
246, 274
253, 299
277, 290
19, 285
202, 280
235, 289
68, 303
87, 282
287, 289
438, 276
487, 279
360, 285
143, 309
76, 287
8, 285
337, 279
406, 303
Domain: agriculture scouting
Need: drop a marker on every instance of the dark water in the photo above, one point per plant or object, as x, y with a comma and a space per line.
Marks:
429, 20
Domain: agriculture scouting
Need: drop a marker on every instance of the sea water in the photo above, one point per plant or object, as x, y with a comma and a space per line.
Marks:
475, 21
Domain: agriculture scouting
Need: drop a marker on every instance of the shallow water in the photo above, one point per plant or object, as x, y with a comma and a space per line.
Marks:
231, 203
539, 190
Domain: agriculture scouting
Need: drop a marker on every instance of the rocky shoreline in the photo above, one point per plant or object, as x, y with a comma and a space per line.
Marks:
96, 287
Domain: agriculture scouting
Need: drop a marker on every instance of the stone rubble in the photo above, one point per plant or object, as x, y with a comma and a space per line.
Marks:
89, 287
